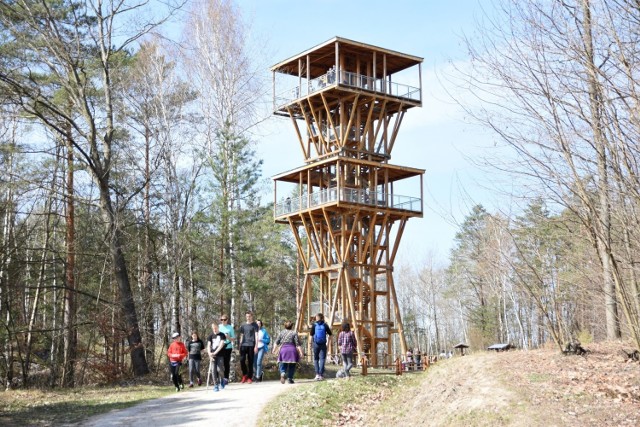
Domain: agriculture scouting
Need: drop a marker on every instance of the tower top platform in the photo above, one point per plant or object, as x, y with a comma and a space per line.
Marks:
323, 56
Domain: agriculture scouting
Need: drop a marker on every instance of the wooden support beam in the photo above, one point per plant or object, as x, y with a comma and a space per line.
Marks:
305, 153
350, 122
308, 122
398, 317
299, 245
328, 220
317, 232
396, 244
329, 118
396, 127
381, 121
310, 236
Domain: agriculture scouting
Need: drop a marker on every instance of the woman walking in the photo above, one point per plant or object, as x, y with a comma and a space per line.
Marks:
347, 344
263, 346
290, 352
194, 348
226, 328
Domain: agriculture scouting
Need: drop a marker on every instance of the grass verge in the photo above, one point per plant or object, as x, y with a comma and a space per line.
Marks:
69, 406
327, 402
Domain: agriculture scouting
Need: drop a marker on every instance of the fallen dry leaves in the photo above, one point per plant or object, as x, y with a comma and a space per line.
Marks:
515, 388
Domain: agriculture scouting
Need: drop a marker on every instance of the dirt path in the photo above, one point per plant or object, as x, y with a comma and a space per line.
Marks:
198, 407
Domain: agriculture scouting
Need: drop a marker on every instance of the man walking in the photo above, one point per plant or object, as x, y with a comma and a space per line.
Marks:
319, 333
215, 348
248, 338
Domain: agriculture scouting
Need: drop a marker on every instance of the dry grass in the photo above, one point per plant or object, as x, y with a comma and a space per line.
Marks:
56, 407
516, 388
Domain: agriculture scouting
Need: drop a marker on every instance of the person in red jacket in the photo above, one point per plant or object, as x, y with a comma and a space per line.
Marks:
177, 352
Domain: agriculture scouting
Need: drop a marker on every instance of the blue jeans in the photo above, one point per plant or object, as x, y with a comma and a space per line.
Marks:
218, 368
194, 370
347, 363
257, 364
289, 369
319, 356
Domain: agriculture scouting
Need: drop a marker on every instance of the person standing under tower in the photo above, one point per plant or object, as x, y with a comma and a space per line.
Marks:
289, 352
248, 339
347, 344
319, 335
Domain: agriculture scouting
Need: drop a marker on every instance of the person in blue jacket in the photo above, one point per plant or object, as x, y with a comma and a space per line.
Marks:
227, 329
263, 346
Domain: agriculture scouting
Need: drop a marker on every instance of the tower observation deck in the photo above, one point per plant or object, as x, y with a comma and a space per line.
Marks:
347, 206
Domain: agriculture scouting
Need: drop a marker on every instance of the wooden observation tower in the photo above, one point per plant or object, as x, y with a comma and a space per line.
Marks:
347, 206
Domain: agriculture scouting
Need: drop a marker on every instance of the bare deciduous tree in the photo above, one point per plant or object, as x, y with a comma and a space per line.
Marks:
553, 80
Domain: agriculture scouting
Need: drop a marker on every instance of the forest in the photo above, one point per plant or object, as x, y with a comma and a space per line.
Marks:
133, 204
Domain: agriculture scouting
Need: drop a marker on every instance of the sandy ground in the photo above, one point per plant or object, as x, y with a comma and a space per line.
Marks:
236, 405
519, 389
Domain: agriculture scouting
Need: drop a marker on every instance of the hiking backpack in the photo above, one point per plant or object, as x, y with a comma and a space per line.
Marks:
320, 334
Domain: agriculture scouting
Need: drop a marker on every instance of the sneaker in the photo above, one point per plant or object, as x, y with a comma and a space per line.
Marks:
177, 388
182, 386
190, 385
216, 388
318, 378
199, 382
244, 379
224, 382
249, 381
290, 380
282, 378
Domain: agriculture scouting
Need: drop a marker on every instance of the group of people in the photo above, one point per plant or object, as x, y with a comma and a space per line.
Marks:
253, 342
289, 350
413, 360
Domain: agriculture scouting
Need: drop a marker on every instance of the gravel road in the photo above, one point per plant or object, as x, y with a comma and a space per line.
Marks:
198, 407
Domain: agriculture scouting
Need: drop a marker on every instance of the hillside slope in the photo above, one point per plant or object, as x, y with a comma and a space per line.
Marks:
517, 388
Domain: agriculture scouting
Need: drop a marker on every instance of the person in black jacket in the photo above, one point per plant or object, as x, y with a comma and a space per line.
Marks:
248, 343
194, 348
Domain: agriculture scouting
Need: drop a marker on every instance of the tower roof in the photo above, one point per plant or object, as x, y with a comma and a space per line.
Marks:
323, 56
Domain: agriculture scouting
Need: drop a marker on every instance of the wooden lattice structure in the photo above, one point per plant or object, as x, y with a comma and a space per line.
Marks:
346, 101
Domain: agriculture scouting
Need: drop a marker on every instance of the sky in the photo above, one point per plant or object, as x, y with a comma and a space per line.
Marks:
435, 138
